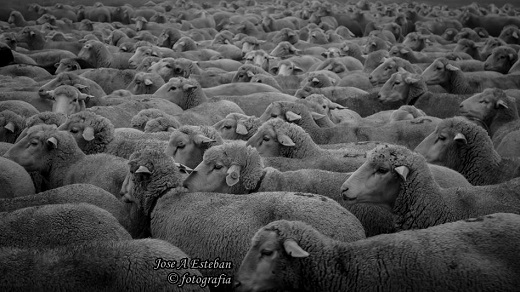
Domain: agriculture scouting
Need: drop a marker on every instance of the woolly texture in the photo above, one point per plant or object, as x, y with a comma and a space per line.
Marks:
48, 118
49, 226
139, 121
422, 203
161, 124
366, 263
250, 123
96, 265
14, 122
242, 73
476, 159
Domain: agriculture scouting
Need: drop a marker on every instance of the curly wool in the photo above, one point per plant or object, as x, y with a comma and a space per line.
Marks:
161, 124
103, 130
48, 118
6, 117
241, 75
477, 160
251, 123
139, 121
236, 153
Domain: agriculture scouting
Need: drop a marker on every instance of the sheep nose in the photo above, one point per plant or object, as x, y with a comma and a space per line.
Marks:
379, 96
370, 77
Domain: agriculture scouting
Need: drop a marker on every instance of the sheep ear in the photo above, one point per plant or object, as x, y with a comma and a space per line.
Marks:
511, 57
85, 97
460, 138
294, 250
411, 80
291, 116
183, 168
88, 134
148, 82
52, 143
316, 116
333, 105
298, 69
200, 140
274, 70
515, 34
402, 171
241, 129
188, 87
233, 175
452, 68
285, 140
171, 129
250, 74
501, 103
10, 127
143, 169
80, 86
401, 70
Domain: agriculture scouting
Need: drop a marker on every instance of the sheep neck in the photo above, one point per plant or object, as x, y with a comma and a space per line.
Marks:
416, 91
420, 203
479, 163
458, 84
61, 164
195, 98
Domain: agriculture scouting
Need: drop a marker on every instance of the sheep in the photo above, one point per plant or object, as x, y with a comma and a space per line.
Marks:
162, 124
510, 34
237, 126
406, 112
4, 147
465, 147
11, 126
50, 226
291, 255
96, 53
223, 222
278, 138
110, 79
501, 59
141, 118
336, 112
95, 134
56, 156
246, 72
145, 83
74, 194
411, 89
469, 47
453, 80
49, 118
18, 107
390, 65
68, 99
408, 133
259, 58
69, 78
98, 265
497, 111
14, 180
235, 168
168, 37
268, 80
188, 143
399, 179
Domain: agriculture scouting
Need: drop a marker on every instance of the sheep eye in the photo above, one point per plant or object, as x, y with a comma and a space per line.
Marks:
266, 138
483, 101
74, 130
34, 143
227, 127
218, 166
442, 138
397, 83
172, 88
181, 146
266, 252
382, 170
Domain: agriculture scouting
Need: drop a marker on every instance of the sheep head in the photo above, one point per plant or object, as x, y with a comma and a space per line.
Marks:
232, 168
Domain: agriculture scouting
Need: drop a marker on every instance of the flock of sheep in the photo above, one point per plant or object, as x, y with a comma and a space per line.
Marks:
260, 146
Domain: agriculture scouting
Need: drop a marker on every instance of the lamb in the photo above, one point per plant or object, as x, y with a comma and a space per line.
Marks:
95, 134
50, 226
410, 89
96, 53
466, 147
453, 80
14, 180
145, 83
56, 156
399, 179
408, 133
11, 126
68, 99
188, 144
237, 126
235, 168
494, 109
227, 220
293, 255
97, 265
501, 59
74, 194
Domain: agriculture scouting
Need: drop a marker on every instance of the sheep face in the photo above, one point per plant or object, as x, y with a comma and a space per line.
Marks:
187, 149
181, 91
501, 59
140, 54
228, 129
284, 49
31, 151
67, 100
484, 106
145, 83
209, 177
269, 263
438, 72
490, 45
436, 147
414, 41
396, 88
383, 72
66, 65
266, 142
286, 68
91, 52
376, 182
164, 68
258, 58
